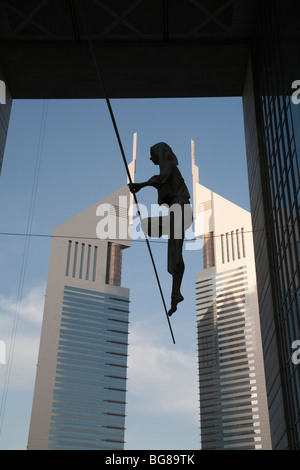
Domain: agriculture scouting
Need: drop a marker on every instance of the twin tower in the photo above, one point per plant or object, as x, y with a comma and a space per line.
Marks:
80, 390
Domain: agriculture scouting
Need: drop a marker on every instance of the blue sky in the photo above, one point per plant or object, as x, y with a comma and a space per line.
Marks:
80, 164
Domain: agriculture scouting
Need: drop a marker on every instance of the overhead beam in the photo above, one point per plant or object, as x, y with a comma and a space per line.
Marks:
130, 70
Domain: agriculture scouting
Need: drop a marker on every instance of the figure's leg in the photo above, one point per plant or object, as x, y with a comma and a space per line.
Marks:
177, 280
176, 294
176, 268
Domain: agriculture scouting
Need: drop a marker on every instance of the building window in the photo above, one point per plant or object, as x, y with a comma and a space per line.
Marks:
232, 245
95, 263
222, 248
81, 260
88, 263
68, 258
238, 243
75, 259
243, 243
227, 247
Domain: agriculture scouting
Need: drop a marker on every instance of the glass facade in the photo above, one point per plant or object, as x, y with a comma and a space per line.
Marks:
276, 63
230, 416
88, 410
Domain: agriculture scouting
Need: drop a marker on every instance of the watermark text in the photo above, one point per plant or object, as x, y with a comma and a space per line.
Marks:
296, 354
296, 94
2, 92
174, 222
2, 353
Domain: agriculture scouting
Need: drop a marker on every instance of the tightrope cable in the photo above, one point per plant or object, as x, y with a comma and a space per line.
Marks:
101, 81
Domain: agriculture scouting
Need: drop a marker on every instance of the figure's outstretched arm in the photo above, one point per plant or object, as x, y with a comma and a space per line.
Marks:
157, 181
135, 187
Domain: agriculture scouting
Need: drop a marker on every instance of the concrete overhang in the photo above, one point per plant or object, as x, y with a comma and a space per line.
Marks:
145, 48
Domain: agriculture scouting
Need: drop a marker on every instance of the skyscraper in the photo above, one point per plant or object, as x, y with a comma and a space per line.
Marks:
272, 128
80, 391
233, 401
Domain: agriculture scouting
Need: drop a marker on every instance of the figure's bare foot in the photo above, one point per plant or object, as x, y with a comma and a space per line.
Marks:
174, 302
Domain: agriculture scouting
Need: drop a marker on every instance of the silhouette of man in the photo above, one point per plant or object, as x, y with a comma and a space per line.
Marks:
172, 192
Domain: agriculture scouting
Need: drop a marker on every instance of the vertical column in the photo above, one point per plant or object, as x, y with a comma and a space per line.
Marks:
208, 250
114, 265
5, 108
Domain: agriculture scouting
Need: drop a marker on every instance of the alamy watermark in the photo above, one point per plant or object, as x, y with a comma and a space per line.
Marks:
2, 353
296, 354
160, 222
296, 94
2, 92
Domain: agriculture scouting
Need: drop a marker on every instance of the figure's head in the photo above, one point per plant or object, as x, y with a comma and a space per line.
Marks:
162, 151
154, 157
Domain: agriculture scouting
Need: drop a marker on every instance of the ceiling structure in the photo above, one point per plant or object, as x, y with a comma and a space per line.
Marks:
145, 48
